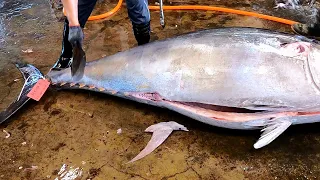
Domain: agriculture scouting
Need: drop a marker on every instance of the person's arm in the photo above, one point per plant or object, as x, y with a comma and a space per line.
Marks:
75, 37
71, 8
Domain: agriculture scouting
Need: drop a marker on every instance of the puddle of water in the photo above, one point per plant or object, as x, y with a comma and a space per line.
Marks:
8, 10
11, 8
2, 32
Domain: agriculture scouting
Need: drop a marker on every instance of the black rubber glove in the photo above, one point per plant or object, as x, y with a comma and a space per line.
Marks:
75, 35
79, 57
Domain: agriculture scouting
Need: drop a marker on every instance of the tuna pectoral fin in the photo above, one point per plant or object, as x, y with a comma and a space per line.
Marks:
78, 62
161, 132
274, 128
31, 76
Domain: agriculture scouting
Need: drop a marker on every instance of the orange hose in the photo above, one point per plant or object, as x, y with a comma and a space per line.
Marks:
195, 7
107, 14
104, 15
227, 10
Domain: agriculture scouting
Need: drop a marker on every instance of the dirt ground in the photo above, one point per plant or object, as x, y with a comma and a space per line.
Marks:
78, 129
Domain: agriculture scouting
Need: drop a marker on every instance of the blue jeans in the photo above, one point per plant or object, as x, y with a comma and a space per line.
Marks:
138, 11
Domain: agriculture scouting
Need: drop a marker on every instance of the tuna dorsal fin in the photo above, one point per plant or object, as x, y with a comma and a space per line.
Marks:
274, 128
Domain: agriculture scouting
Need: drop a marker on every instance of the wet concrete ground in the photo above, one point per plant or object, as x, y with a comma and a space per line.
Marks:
79, 128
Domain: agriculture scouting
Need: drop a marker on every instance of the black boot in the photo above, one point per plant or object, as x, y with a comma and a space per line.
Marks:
312, 30
142, 33
65, 58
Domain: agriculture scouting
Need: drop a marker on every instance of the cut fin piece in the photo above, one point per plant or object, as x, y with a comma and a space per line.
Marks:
274, 128
79, 62
31, 76
161, 132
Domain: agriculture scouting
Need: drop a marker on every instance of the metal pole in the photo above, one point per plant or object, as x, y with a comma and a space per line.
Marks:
162, 23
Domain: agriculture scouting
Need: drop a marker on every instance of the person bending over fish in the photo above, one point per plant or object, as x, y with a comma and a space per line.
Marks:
78, 12
310, 30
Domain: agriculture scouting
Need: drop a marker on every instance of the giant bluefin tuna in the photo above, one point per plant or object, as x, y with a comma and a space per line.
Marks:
236, 78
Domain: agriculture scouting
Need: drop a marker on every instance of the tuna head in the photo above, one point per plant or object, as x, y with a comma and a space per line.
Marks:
313, 65
310, 50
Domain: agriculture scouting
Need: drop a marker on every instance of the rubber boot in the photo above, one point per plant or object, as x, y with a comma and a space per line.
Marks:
141, 33
65, 58
312, 30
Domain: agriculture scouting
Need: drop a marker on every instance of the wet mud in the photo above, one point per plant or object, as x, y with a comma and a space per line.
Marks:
78, 129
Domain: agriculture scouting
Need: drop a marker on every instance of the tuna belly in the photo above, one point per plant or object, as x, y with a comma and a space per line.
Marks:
212, 114
216, 115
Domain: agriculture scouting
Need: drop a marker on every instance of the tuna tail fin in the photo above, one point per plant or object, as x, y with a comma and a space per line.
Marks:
31, 76
79, 61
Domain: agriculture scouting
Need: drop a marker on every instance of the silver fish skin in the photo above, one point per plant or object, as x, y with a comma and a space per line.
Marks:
233, 67
236, 78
